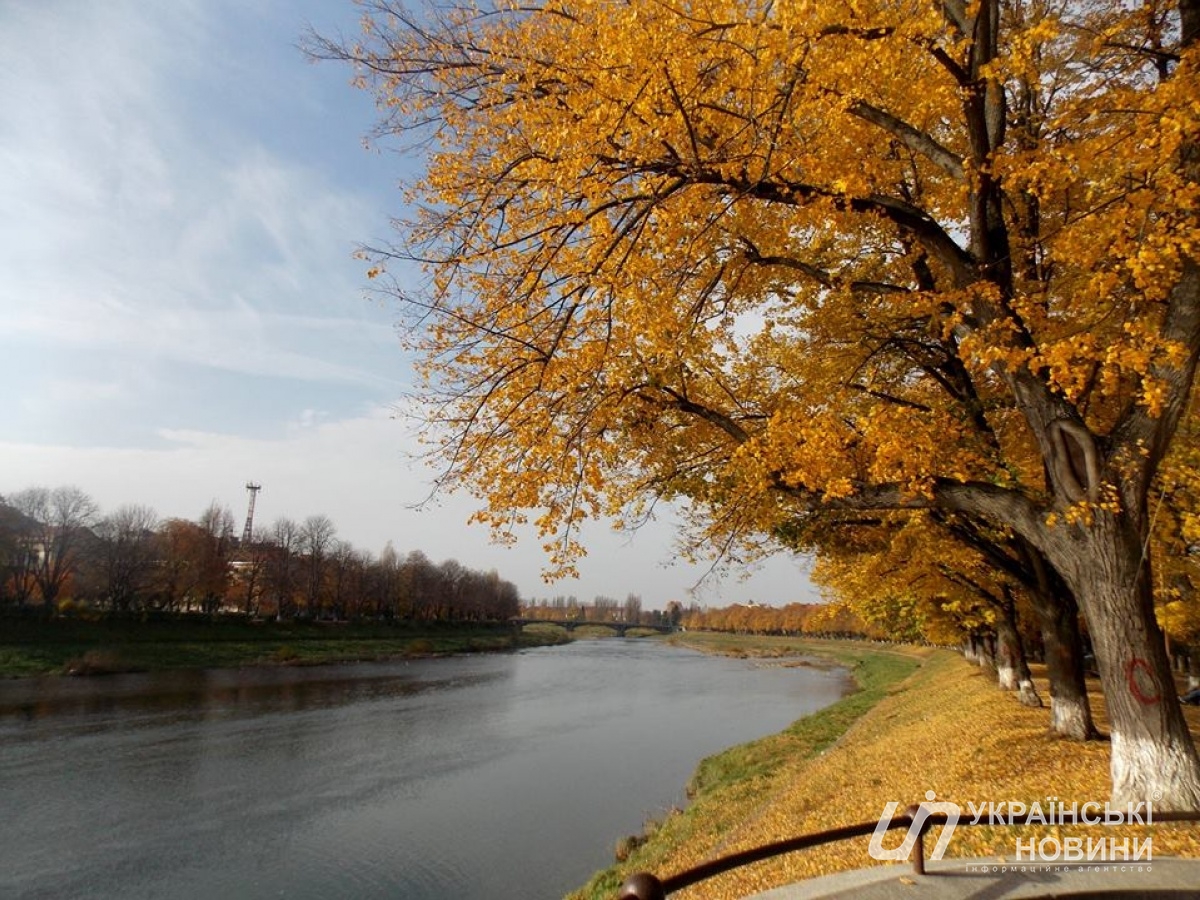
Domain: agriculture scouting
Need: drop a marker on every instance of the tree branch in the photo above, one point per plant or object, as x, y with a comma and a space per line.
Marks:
911, 219
916, 140
823, 277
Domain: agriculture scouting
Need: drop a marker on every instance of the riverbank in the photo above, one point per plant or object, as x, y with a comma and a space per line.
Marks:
921, 720
77, 646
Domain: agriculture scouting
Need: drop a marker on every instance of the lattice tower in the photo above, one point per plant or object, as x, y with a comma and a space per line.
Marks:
248, 531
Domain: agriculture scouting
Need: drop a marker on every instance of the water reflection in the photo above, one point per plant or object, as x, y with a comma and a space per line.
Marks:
488, 776
216, 693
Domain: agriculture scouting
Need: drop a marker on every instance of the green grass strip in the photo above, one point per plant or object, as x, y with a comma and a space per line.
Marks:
32, 647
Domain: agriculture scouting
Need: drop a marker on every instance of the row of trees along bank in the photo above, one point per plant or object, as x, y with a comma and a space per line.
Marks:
1001, 636
810, 268
602, 609
57, 550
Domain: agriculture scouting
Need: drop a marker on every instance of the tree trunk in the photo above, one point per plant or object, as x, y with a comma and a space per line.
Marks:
1058, 619
1012, 666
1193, 670
969, 650
985, 652
1008, 651
1153, 755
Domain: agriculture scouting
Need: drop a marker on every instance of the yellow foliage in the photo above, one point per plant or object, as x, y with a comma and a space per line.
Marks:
913, 741
908, 577
1175, 536
787, 258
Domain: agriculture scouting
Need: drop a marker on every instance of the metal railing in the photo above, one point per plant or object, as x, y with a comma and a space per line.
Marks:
646, 886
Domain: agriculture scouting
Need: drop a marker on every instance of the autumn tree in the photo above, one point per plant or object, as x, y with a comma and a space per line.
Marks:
61, 518
18, 555
345, 578
446, 591
213, 561
822, 619
418, 587
282, 574
908, 570
250, 571
632, 610
317, 536
193, 566
1175, 546
175, 575
918, 569
385, 583
126, 556
604, 609
855, 255
1023, 567
505, 597
10, 553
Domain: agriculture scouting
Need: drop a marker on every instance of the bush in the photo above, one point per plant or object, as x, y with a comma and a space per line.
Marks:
98, 662
286, 653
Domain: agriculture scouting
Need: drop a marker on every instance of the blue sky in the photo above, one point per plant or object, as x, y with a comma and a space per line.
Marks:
181, 193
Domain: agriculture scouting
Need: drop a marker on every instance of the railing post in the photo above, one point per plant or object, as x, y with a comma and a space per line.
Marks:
918, 851
642, 886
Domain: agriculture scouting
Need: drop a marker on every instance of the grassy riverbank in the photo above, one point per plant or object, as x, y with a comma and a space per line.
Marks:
922, 720
62, 646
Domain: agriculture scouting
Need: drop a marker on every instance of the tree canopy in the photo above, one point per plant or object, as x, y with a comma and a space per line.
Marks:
779, 259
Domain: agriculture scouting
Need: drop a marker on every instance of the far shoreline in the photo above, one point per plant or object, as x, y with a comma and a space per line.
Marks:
83, 647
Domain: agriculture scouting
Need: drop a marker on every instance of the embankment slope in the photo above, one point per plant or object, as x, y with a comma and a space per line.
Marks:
922, 720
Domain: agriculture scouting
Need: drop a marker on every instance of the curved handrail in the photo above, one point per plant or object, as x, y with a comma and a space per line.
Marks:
647, 886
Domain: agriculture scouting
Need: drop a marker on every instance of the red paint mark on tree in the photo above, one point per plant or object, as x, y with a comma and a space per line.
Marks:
1142, 683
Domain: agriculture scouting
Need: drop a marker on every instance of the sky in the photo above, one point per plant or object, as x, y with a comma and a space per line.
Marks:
181, 196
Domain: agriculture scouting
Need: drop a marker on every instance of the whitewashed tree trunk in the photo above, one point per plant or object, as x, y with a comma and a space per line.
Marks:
1058, 618
1153, 755
1006, 674
1007, 650
968, 650
1102, 564
1072, 717
1012, 665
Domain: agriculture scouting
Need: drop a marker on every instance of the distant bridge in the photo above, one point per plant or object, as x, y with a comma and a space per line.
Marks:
571, 624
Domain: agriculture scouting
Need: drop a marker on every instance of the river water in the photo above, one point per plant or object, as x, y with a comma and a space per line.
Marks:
495, 776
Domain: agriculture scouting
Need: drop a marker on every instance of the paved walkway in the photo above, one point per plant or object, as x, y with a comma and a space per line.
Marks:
964, 879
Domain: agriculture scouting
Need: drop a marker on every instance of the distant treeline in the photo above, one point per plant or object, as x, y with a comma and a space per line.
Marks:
602, 609
58, 552
793, 619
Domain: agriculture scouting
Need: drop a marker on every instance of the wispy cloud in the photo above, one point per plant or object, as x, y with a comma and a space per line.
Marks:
136, 222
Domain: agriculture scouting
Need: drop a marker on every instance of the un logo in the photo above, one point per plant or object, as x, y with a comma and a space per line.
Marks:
924, 811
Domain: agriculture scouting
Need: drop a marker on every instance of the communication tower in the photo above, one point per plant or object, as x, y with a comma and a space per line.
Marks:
248, 531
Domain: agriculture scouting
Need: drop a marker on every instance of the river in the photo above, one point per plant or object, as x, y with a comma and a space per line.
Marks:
492, 776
